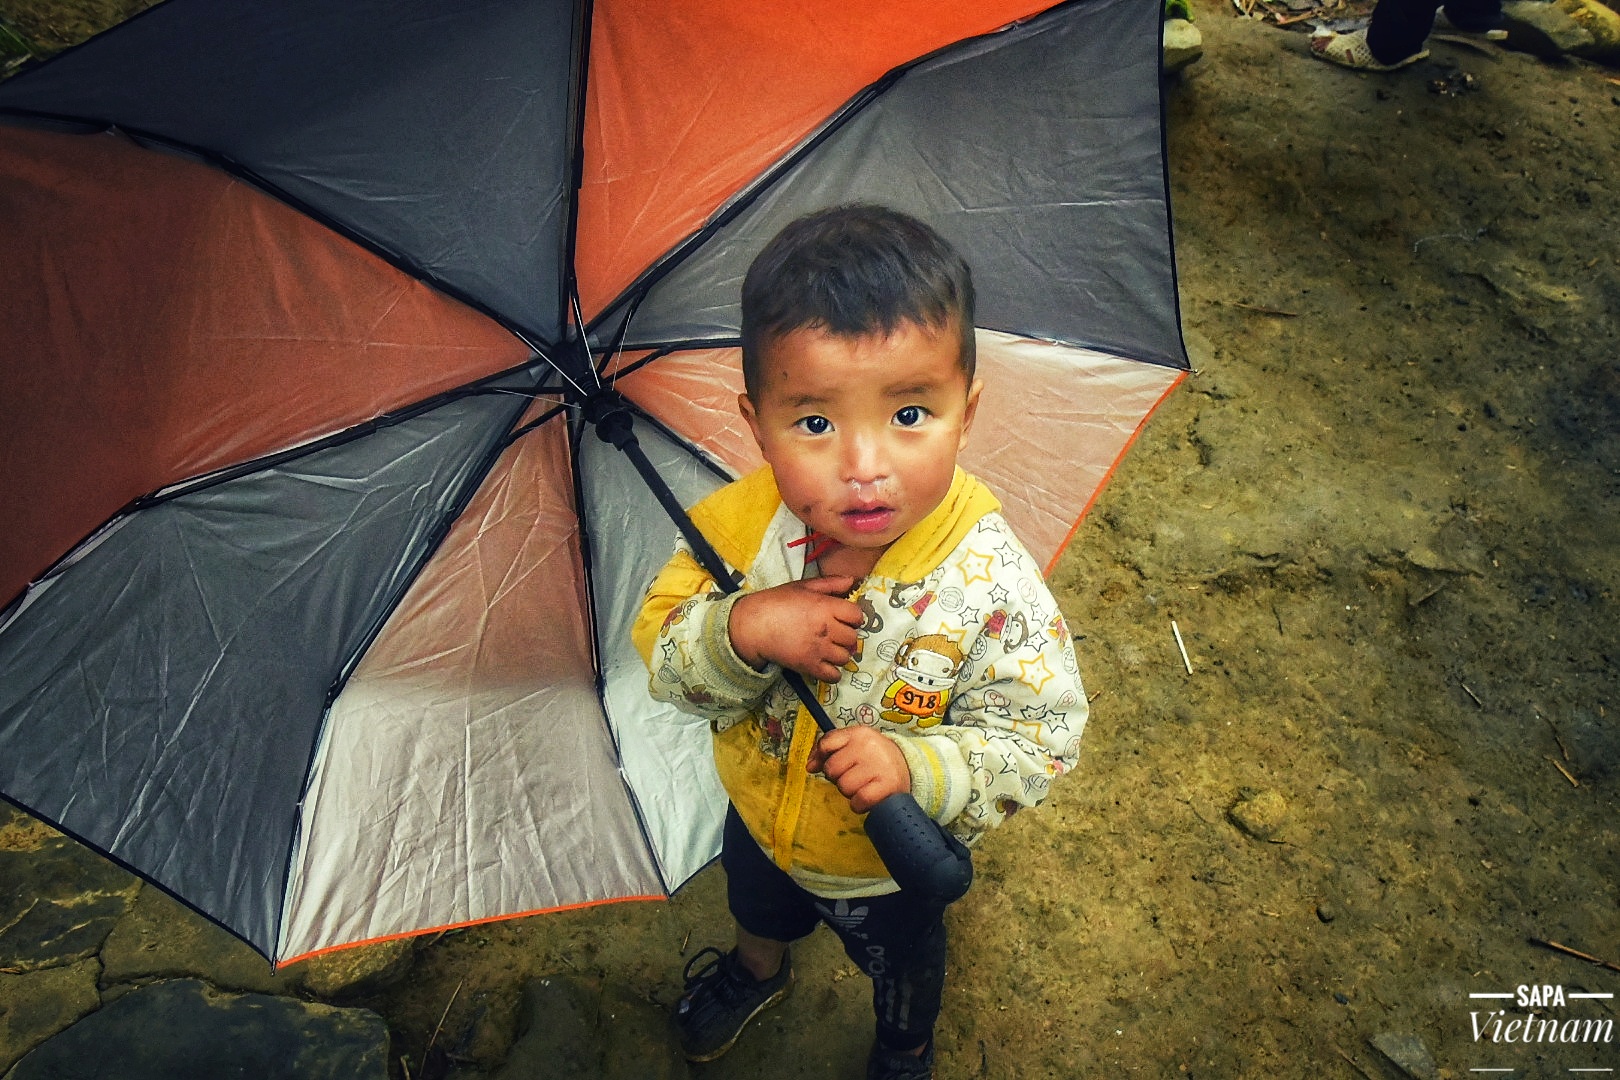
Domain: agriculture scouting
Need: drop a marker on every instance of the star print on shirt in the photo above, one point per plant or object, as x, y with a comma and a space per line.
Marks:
999, 594
1010, 556
1030, 725
1035, 673
976, 567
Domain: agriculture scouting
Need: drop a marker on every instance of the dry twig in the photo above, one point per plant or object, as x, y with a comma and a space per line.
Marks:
1265, 310
1567, 951
1557, 738
1567, 775
440, 1026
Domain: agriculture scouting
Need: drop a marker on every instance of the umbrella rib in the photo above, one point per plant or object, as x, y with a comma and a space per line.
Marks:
670, 347
546, 356
615, 349
518, 433
579, 325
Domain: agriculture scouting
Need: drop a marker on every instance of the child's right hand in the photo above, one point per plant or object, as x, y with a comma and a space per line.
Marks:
808, 626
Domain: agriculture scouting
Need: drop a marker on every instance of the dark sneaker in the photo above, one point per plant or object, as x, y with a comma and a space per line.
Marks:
886, 1064
720, 999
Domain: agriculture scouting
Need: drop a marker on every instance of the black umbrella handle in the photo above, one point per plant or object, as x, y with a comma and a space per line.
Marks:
922, 857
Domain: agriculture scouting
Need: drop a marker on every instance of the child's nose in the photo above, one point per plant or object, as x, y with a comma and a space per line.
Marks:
865, 459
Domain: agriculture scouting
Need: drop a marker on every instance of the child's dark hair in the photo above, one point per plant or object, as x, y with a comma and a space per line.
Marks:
854, 270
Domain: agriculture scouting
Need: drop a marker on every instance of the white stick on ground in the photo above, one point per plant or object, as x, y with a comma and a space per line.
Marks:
1176, 630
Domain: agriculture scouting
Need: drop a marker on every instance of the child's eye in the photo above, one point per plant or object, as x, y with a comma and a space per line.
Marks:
814, 425
910, 416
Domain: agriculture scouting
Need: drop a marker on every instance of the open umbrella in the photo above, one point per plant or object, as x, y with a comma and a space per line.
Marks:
319, 587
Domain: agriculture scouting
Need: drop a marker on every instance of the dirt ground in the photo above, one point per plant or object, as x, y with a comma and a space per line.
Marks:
1382, 513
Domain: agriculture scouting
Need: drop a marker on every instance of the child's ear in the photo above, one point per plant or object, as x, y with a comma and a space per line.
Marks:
971, 410
746, 407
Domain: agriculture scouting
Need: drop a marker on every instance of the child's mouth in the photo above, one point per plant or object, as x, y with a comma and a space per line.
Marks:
873, 519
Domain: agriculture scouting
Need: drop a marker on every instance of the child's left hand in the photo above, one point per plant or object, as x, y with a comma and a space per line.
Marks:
866, 766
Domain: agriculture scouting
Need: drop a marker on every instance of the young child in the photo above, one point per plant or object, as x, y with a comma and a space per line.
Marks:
884, 574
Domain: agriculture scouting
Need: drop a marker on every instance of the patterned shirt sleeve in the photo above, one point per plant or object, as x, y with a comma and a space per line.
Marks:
1015, 721
683, 634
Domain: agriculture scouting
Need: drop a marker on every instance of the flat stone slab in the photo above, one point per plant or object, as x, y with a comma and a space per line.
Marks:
183, 1029
160, 938
36, 1005
58, 902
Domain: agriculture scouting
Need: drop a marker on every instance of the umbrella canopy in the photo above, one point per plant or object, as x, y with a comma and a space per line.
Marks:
319, 590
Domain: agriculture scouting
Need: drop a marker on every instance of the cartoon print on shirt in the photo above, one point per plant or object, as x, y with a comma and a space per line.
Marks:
679, 612
775, 721
925, 671
993, 703
1012, 630
914, 596
871, 623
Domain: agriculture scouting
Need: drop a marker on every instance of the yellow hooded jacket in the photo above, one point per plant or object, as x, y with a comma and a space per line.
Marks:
983, 726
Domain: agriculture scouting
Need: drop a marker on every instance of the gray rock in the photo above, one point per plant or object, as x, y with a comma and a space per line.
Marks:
182, 1029
1182, 44
1407, 1053
38, 1004
58, 902
162, 939
1260, 814
1543, 29
1602, 22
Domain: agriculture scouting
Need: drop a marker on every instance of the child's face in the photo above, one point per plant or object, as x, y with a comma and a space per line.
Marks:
862, 432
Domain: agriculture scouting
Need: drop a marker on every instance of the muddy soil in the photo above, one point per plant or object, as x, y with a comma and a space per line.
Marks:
1382, 515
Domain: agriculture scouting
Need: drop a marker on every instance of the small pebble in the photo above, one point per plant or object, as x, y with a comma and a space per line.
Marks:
1327, 911
1260, 814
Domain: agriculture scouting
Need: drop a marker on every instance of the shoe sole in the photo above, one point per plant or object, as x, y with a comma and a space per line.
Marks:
775, 999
